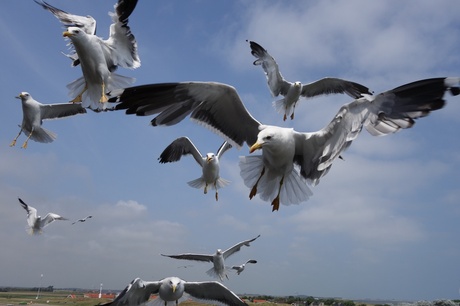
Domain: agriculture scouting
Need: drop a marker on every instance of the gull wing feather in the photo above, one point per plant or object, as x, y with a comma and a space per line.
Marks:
86, 23
50, 217
180, 146
277, 84
31, 212
383, 114
53, 111
237, 247
122, 43
223, 148
334, 85
136, 293
190, 256
212, 291
214, 105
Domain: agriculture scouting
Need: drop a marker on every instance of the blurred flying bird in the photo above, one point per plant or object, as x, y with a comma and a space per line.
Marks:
37, 223
240, 268
218, 259
82, 220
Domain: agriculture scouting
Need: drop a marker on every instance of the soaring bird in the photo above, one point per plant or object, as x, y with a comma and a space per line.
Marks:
274, 174
218, 259
175, 290
240, 268
37, 223
209, 163
34, 113
99, 58
292, 92
82, 220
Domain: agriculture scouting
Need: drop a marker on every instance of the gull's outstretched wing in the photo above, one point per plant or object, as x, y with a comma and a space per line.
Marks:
136, 293
214, 105
86, 23
212, 291
223, 148
382, 114
50, 217
277, 84
190, 256
180, 146
53, 111
237, 247
31, 212
334, 85
122, 43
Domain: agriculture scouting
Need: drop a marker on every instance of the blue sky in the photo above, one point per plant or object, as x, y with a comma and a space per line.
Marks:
382, 224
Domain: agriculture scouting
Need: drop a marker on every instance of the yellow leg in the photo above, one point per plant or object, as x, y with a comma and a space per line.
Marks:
13, 143
24, 145
276, 201
103, 97
254, 189
79, 98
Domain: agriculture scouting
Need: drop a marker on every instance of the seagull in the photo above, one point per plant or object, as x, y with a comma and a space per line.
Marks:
240, 268
82, 220
292, 92
37, 223
99, 58
218, 258
275, 175
176, 290
209, 163
34, 113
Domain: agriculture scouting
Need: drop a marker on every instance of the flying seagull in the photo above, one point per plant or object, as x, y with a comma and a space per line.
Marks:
274, 174
37, 223
240, 268
97, 57
292, 92
218, 258
82, 220
209, 163
175, 290
34, 113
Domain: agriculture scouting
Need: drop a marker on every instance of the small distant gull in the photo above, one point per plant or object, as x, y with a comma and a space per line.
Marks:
240, 268
34, 113
293, 91
37, 223
209, 163
82, 220
218, 259
275, 175
99, 58
173, 291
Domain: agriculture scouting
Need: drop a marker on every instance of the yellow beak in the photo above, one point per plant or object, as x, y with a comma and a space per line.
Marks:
174, 288
67, 34
208, 159
255, 146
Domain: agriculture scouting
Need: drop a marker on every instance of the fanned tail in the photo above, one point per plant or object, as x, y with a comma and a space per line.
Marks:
42, 135
293, 191
200, 183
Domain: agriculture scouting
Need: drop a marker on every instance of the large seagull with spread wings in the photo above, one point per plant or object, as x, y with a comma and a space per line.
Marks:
275, 175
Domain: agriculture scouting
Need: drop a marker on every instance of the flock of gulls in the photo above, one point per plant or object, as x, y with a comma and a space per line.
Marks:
290, 161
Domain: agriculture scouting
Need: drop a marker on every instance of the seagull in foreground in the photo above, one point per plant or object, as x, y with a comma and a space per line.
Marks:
209, 163
240, 268
37, 223
292, 92
34, 113
99, 58
274, 174
175, 290
82, 220
218, 258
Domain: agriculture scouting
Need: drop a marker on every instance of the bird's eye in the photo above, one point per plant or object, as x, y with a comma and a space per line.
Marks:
268, 137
